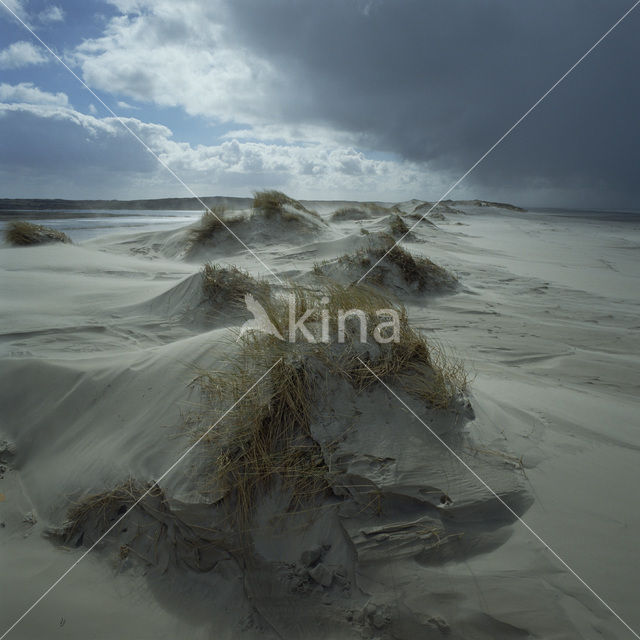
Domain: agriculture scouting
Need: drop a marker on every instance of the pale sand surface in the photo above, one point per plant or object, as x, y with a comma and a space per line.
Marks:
97, 347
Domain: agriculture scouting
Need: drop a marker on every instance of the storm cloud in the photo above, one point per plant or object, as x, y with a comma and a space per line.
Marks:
442, 81
370, 99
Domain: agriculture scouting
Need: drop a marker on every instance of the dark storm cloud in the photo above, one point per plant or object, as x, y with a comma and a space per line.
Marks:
441, 81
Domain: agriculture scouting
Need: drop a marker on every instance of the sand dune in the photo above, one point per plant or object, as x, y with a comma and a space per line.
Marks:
365, 525
390, 267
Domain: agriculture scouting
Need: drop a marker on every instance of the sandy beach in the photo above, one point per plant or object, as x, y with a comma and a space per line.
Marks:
101, 340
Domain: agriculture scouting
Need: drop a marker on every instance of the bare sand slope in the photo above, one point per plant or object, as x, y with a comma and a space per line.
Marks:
98, 345
549, 320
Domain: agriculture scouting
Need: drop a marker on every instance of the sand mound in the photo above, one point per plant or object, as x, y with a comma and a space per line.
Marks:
222, 233
350, 214
228, 286
312, 485
398, 227
23, 234
400, 271
361, 211
427, 212
159, 534
440, 207
274, 219
183, 301
407, 206
277, 206
213, 222
216, 293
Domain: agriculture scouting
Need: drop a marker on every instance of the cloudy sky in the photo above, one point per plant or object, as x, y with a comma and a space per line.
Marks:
366, 99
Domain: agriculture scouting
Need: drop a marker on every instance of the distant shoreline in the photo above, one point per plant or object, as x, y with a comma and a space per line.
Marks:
177, 204
158, 204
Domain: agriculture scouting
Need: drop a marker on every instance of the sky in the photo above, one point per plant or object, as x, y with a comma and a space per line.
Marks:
335, 99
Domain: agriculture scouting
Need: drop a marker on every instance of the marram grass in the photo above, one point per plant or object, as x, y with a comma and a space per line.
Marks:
266, 440
23, 234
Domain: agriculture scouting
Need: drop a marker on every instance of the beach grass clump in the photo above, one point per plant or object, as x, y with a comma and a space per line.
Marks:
390, 259
398, 227
211, 223
266, 440
423, 368
230, 285
154, 533
375, 209
420, 366
23, 234
322, 306
418, 270
359, 211
275, 203
344, 214
435, 210
98, 511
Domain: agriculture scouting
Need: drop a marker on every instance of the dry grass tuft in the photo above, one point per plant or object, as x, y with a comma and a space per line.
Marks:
416, 271
100, 510
350, 213
275, 203
359, 211
155, 534
212, 222
266, 441
398, 227
421, 367
375, 208
230, 285
439, 208
22, 234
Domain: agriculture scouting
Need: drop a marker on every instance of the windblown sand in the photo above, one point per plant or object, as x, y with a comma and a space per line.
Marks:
99, 342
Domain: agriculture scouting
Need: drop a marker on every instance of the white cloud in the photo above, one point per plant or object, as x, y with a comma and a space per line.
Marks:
292, 134
21, 54
125, 105
194, 64
98, 158
52, 13
27, 93
16, 6
197, 65
92, 109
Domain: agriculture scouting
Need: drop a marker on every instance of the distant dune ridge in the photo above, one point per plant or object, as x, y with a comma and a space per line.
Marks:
318, 502
176, 204
153, 204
